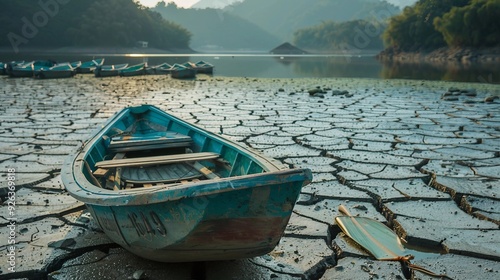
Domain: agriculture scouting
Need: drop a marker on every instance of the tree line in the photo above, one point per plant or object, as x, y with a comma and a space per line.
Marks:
33, 24
431, 24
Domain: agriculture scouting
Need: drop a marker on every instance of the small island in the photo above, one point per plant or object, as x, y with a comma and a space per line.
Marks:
287, 48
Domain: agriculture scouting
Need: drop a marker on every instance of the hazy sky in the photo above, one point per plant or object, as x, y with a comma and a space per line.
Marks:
180, 3
189, 3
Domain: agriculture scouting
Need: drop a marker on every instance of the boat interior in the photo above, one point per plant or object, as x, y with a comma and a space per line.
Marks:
147, 149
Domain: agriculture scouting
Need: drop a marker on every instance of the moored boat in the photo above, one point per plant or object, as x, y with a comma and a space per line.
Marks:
90, 66
109, 70
9, 65
28, 69
169, 191
61, 70
76, 65
134, 70
159, 69
180, 71
204, 67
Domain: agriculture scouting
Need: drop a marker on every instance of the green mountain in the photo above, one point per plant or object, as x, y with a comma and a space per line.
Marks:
34, 24
218, 30
283, 17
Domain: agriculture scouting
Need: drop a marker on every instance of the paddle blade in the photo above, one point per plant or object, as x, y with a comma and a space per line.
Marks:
372, 235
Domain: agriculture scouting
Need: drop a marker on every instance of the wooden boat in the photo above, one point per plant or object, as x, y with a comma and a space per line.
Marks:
5, 68
61, 70
159, 69
29, 69
179, 71
76, 64
189, 64
109, 70
204, 67
90, 66
134, 70
169, 191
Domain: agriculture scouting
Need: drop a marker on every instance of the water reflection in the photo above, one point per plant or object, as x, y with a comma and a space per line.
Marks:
442, 71
275, 66
338, 66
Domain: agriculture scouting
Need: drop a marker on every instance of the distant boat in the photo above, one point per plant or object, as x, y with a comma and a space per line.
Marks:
170, 191
109, 70
204, 67
189, 64
5, 68
179, 71
76, 64
163, 68
90, 66
29, 69
61, 70
134, 70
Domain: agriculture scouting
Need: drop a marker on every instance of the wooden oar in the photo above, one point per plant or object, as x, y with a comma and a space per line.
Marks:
379, 240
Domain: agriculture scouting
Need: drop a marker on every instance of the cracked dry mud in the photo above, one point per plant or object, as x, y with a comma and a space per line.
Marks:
422, 157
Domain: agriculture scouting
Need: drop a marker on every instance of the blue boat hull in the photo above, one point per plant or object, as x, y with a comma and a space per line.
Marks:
220, 226
109, 70
183, 73
55, 74
106, 73
133, 73
89, 66
21, 73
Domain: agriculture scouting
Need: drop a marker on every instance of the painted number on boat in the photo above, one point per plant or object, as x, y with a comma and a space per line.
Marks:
147, 224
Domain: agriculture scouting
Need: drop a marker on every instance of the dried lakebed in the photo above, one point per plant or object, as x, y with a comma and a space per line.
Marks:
422, 157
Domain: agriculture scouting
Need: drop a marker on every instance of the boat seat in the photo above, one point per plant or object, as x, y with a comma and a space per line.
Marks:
149, 141
156, 160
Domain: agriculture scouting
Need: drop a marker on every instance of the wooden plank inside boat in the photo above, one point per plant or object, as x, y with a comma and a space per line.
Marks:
205, 171
144, 161
156, 140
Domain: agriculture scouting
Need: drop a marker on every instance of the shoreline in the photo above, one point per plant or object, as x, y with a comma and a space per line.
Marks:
442, 55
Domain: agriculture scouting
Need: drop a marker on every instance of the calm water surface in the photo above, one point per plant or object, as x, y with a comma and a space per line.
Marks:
302, 66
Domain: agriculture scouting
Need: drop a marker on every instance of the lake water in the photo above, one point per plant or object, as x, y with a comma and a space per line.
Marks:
275, 66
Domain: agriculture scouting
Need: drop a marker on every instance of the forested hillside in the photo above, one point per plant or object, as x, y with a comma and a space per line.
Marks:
32, 24
217, 30
431, 24
348, 36
474, 25
283, 17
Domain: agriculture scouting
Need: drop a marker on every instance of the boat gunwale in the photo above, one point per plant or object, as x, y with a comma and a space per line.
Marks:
79, 186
